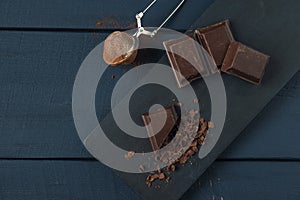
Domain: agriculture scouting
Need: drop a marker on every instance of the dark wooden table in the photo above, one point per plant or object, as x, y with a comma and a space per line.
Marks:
42, 44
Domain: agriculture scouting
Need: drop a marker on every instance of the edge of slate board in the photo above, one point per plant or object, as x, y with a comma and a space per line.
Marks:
254, 23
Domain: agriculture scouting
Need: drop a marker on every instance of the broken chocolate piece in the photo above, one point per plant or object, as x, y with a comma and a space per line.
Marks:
185, 155
216, 40
245, 63
157, 139
188, 61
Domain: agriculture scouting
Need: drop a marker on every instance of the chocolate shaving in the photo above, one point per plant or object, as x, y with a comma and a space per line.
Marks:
211, 125
152, 177
129, 155
166, 157
141, 168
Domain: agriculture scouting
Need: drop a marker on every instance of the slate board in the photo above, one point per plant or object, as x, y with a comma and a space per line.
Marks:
257, 24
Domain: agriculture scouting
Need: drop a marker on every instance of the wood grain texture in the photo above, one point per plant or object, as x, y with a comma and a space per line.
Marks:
248, 181
82, 14
81, 180
57, 180
36, 79
37, 74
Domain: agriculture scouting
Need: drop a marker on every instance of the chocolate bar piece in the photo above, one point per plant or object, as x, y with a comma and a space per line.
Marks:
245, 63
157, 140
216, 40
188, 61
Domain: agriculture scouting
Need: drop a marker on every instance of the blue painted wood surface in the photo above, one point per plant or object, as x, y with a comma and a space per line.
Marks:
38, 63
38, 71
89, 180
82, 14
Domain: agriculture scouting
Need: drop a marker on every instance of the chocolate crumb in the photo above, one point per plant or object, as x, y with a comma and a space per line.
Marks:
202, 138
131, 26
152, 177
165, 160
201, 120
194, 144
158, 169
141, 168
190, 153
195, 149
161, 176
211, 125
173, 168
168, 179
99, 23
183, 159
170, 157
129, 155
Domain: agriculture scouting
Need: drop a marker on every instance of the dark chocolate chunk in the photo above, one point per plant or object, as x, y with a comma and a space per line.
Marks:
184, 156
157, 140
187, 60
216, 40
245, 63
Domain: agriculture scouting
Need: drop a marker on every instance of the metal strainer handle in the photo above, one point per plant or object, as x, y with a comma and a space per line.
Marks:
139, 16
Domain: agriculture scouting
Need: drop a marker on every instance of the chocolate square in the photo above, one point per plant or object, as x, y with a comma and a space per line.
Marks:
245, 63
157, 140
187, 60
216, 40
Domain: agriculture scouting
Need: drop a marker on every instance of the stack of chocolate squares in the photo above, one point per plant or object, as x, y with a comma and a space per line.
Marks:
228, 55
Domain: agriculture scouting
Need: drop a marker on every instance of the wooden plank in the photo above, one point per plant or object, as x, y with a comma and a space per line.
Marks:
37, 74
248, 181
80, 14
57, 180
90, 180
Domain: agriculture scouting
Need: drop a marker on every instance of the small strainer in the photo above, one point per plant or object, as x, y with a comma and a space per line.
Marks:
120, 48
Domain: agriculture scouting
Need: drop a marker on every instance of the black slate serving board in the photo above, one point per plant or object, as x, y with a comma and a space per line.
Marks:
270, 26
